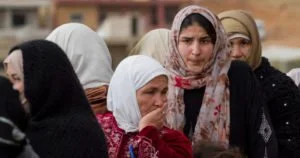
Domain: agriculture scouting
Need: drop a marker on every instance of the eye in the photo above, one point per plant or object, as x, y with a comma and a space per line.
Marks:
149, 92
187, 40
16, 78
205, 41
165, 91
245, 42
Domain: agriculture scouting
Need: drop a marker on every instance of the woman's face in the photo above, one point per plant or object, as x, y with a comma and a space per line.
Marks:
15, 78
240, 48
18, 85
152, 95
195, 46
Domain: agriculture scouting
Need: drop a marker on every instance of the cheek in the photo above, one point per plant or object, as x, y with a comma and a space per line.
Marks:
144, 104
208, 51
246, 51
183, 50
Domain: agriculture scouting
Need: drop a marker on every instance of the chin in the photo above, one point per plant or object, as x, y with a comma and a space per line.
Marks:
240, 59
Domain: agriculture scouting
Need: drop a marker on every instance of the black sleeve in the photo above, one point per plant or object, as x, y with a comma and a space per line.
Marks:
262, 142
284, 104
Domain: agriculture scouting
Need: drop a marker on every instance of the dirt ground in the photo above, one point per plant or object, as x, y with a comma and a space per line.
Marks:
281, 17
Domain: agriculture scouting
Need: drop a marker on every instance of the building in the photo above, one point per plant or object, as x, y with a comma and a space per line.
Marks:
23, 20
119, 22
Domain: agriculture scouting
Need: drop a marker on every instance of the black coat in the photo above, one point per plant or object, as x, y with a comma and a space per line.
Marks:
248, 128
11, 109
62, 124
283, 99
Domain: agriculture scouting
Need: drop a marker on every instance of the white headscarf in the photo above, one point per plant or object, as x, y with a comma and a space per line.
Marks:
295, 75
87, 52
131, 74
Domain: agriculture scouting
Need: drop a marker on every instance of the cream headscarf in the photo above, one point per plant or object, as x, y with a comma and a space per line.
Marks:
131, 74
238, 21
15, 60
87, 52
154, 44
214, 117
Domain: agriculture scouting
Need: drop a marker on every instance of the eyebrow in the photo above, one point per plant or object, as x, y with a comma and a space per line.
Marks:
205, 37
202, 38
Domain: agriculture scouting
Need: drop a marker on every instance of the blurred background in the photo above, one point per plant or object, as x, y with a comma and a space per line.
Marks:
122, 22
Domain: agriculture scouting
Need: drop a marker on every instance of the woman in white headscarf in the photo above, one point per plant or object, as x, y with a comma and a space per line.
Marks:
90, 59
155, 44
137, 98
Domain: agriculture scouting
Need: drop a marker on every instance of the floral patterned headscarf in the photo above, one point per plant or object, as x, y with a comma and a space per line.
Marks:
214, 117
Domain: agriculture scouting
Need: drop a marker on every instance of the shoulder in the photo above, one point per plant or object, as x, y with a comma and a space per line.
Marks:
239, 67
240, 72
171, 134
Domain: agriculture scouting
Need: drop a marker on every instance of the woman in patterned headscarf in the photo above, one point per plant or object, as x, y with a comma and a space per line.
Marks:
280, 92
210, 97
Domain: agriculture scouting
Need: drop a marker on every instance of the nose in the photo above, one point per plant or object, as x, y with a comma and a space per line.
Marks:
195, 48
17, 87
161, 100
236, 52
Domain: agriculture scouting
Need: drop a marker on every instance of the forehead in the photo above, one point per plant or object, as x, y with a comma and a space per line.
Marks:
193, 30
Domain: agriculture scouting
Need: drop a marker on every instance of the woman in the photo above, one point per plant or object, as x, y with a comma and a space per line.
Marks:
280, 92
211, 98
154, 44
136, 100
61, 121
13, 123
90, 59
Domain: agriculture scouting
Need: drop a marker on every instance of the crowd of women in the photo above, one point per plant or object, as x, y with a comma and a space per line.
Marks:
199, 89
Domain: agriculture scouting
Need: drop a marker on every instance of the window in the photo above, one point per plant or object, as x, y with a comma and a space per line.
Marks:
18, 19
170, 14
76, 17
134, 26
154, 20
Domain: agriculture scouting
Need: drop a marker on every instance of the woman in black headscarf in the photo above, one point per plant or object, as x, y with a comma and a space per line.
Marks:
62, 124
13, 123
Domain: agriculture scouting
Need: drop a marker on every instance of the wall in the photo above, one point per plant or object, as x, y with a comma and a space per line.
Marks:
89, 15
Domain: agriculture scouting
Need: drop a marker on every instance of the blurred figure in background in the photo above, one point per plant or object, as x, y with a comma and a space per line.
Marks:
62, 123
280, 92
154, 44
90, 59
137, 101
13, 124
294, 74
212, 98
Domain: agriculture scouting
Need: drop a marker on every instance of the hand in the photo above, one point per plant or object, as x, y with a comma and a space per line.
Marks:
154, 118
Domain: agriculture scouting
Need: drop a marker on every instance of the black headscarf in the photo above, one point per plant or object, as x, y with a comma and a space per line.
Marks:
13, 121
62, 124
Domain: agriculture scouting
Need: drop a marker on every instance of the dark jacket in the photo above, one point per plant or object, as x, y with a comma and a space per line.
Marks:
13, 123
250, 126
283, 99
